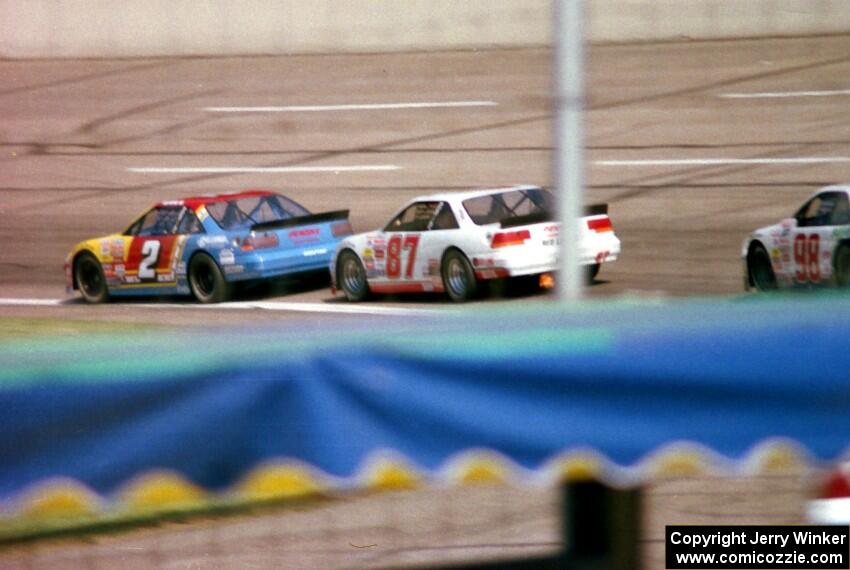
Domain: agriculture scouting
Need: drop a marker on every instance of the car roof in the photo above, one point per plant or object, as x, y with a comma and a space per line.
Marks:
194, 202
845, 187
467, 194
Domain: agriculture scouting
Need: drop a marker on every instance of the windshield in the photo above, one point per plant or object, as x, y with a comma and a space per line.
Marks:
242, 213
494, 208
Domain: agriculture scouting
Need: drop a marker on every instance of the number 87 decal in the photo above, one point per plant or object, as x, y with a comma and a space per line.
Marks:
807, 258
394, 249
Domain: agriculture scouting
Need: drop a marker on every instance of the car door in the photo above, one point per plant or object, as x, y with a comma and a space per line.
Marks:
149, 260
395, 261
442, 233
814, 237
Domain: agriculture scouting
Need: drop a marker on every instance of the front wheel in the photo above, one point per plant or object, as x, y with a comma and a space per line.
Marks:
590, 272
842, 266
90, 279
761, 270
351, 277
458, 277
206, 280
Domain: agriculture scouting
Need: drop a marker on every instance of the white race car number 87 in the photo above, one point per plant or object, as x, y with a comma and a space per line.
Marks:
394, 248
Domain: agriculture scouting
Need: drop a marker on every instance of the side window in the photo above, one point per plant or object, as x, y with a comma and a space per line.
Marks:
825, 209
414, 218
190, 224
157, 222
841, 212
445, 219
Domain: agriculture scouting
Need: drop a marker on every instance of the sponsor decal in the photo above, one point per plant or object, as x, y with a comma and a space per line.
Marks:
368, 252
104, 247
370, 264
226, 257
132, 279
212, 241
554, 229
116, 249
202, 213
372, 273
303, 233
180, 268
233, 269
119, 269
165, 277
173, 203
427, 286
380, 253
183, 289
312, 252
433, 267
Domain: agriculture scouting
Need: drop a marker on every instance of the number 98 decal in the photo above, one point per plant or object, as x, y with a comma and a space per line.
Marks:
807, 258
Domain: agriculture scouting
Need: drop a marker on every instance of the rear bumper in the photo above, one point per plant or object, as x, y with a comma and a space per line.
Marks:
516, 261
266, 265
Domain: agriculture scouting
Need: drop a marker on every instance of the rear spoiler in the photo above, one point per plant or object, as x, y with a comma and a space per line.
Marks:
596, 210
333, 216
547, 216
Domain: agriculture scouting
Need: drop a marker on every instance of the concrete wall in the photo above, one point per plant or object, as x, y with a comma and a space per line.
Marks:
129, 28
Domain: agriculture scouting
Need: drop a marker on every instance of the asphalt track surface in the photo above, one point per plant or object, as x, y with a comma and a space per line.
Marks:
71, 131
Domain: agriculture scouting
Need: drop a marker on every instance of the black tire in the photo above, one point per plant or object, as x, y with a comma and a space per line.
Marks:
90, 279
761, 270
842, 266
458, 277
207, 281
351, 277
591, 271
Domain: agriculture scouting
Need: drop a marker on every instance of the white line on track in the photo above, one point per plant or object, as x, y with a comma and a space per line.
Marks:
255, 169
785, 94
314, 308
340, 308
352, 107
722, 161
9, 301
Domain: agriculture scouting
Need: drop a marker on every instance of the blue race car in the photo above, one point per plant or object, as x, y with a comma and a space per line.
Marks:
203, 245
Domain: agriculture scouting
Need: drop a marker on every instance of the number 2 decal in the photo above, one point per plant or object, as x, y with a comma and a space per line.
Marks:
394, 249
807, 258
150, 255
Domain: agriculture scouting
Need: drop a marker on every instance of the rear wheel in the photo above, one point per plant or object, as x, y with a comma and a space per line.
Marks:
458, 277
761, 270
591, 271
206, 280
90, 279
351, 277
842, 266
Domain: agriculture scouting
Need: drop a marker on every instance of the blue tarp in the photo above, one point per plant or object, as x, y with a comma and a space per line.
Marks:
620, 378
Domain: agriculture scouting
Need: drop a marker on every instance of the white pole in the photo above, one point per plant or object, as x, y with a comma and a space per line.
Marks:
569, 140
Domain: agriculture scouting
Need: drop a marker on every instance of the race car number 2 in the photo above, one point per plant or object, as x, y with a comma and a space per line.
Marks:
806, 257
150, 253
395, 247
